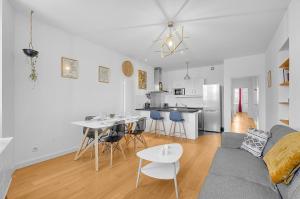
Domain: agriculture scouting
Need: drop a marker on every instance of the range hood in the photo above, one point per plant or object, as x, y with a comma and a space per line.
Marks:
158, 88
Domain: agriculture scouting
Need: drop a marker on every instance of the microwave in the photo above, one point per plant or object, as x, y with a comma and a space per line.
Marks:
179, 91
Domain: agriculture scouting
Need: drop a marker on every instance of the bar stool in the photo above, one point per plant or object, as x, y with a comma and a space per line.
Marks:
155, 116
176, 117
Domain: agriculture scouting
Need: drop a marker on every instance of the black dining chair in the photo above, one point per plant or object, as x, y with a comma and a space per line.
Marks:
90, 137
137, 134
111, 139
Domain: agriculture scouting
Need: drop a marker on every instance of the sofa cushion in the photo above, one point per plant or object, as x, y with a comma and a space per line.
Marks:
294, 187
283, 189
228, 187
255, 142
232, 140
283, 158
277, 132
241, 164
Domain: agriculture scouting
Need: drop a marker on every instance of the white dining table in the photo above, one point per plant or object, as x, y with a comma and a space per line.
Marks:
97, 124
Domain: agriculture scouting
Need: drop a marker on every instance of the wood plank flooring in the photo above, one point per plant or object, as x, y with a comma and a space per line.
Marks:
241, 123
63, 178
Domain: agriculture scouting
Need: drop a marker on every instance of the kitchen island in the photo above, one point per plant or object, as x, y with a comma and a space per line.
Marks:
190, 116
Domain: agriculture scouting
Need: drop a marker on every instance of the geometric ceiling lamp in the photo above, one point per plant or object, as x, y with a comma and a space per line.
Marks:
171, 43
31, 53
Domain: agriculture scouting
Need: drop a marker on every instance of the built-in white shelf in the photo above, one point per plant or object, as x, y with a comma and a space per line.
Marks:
283, 87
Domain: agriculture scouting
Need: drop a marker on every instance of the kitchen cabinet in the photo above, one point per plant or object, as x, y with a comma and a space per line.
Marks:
194, 87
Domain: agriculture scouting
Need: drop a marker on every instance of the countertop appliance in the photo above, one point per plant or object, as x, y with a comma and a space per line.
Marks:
179, 91
147, 105
165, 105
212, 107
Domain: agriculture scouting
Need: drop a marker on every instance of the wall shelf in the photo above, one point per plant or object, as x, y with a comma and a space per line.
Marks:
286, 84
286, 122
284, 103
285, 65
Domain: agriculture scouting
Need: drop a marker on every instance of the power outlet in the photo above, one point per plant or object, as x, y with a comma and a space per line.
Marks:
35, 149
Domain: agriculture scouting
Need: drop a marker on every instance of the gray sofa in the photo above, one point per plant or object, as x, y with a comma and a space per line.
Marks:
237, 174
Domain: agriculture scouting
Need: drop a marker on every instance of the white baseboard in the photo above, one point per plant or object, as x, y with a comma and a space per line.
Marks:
44, 158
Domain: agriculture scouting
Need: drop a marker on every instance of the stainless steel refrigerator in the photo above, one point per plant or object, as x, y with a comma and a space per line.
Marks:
212, 107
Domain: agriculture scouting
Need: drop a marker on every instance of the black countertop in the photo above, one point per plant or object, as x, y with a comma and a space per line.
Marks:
169, 109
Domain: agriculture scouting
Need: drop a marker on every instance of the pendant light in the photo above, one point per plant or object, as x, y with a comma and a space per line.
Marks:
187, 77
31, 53
172, 41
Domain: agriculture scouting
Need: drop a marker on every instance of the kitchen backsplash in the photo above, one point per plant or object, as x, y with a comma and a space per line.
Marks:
190, 102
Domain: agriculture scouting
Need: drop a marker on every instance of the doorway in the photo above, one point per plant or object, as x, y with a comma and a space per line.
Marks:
244, 104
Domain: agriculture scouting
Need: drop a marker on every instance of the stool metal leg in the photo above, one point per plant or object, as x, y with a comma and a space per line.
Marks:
174, 131
151, 126
179, 129
170, 132
155, 127
163, 123
184, 129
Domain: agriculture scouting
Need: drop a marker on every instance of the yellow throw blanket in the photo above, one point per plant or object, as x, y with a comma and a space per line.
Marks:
283, 158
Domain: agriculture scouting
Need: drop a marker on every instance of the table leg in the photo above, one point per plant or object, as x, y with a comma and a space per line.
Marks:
139, 173
96, 151
175, 181
81, 144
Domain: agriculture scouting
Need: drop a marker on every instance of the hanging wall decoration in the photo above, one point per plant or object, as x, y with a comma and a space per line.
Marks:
127, 68
269, 78
142, 78
31, 53
69, 68
103, 74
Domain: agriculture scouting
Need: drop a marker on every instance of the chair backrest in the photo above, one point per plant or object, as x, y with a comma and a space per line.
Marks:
86, 119
175, 116
118, 129
141, 124
155, 115
277, 132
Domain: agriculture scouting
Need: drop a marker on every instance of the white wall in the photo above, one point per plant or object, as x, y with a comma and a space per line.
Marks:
289, 29
43, 112
1, 13
211, 77
244, 67
294, 33
272, 64
8, 70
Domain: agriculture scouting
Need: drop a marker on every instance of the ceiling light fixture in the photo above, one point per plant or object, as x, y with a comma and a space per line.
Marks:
31, 53
187, 77
172, 41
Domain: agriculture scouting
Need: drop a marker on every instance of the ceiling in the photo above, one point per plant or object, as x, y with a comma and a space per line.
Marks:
216, 29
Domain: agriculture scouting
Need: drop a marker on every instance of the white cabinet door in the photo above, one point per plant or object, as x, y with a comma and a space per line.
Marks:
178, 84
189, 91
194, 87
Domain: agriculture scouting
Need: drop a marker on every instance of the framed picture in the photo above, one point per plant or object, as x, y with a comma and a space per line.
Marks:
142, 78
103, 74
269, 78
69, 68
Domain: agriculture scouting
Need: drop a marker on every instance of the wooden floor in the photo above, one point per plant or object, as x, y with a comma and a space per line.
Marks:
241, 123
63, 178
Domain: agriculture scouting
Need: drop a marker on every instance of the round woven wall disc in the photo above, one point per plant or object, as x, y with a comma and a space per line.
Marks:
127, 68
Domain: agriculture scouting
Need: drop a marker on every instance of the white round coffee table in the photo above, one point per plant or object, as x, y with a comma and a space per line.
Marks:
162, 166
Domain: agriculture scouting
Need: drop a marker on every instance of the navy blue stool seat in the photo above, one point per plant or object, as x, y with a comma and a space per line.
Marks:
156, 117
176, 117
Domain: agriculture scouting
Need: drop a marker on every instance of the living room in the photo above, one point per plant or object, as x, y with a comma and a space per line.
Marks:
140, 99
